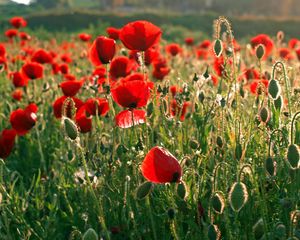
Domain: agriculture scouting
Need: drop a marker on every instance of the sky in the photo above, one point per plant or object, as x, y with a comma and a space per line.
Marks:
26, 2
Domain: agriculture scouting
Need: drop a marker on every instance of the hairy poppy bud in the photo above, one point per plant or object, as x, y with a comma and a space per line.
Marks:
218, 202
278, 103
70, 128
264, 114
238, 196
274, 89
144, 190
280, 231
90, 234
181, 190
194, 144
171, 213
201, 97
219, 141
270, 166
213, 232
260, 51
258, 229
218, 47
293, 156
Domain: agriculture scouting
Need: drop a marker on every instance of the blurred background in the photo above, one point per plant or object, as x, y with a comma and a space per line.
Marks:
193, 16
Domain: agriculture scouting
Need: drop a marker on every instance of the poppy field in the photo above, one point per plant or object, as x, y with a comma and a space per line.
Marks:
125, 135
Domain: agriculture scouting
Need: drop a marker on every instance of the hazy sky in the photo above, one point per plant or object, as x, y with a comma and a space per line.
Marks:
22, 1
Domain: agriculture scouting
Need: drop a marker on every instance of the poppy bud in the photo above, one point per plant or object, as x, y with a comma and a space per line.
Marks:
144, 190
280, 231
181, 190
223, 102
201, 97
238, 196
293, 156
171, 213
218, 202
258, 229
260, 51
238, 151
213, 232
278, 103
206, 74
70, 128
196, 77
150, 109
121, 149
264, 115
274, 89
218, 47
90, 234
270, 166
194, 144
219, 141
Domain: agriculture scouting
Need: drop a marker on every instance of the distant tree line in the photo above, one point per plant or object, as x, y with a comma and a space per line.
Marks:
234, 7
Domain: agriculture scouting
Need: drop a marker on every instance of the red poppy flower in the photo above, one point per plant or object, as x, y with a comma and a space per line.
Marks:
11, 33
293, 43
41, 56
7, 142
84, 37
2, 50
205, 44
298, 53
23, 120
102, 50
285, 53
202, 53
113, 33
120, 67
18, 79
18, 22
66, 58
160, 69
219, 66
64, 68
58, 105
259, 83
91, 109
17, 94
55, 68
140, 35
32, 70
264, 40
179, 111
130, 93
174, 90
173, 49
189, 41
3, 64
24, 36
84, 123
71, 88
129, 118
160, 166
251, 73
69, 77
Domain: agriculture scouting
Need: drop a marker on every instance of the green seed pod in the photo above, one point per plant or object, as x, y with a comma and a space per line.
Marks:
238, 151
270, 166
274, 89
258, 229
213, 232
238, 196
144, 190
278, 103
219, 141
293, 156
260, 51
181, 190
218, 202
194, 144
90, 234
150, 108
70, 128
218, 47
264, 114
280, 231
